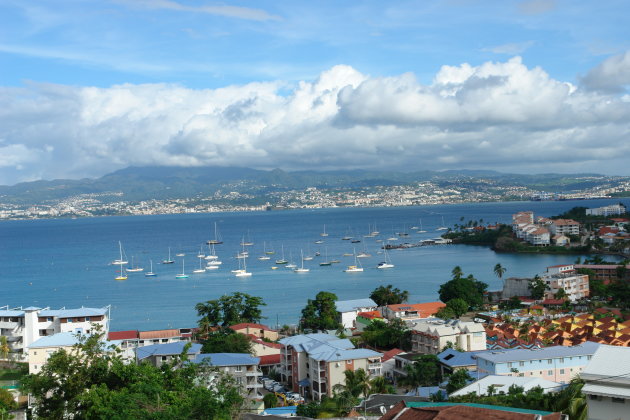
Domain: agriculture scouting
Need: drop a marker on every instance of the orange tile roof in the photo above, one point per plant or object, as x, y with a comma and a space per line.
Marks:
424, 309
245, 325
158, 334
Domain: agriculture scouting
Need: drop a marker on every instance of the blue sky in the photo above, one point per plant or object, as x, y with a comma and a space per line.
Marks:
88, 87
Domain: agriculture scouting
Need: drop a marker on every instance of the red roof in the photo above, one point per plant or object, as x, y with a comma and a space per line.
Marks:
424, 310
553, 301
271, 359
370, 314
263, 342
389, 354
250, 325
123, 335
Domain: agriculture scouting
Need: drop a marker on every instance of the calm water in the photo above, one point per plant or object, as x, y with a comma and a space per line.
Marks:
67, 262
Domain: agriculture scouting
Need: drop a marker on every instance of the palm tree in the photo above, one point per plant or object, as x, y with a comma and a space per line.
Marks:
379, 385
457, 272
4, 347
499, 270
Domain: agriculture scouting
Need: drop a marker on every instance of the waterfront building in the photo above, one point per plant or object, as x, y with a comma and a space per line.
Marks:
431, 336
132, 339
501, 384
24, 326
516, 286
525, 228
607, 383
412, 311
557, 363
159, 354
313, 364
612, 210
348, 310
242, 367
565, 277
258, 330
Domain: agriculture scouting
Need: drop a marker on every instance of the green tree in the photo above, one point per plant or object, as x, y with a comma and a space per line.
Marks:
270, 400
7, 403
537, 287
424, 371
387, 335
379, 385
560, 294
356, 383
388, 295
92, 381
513, 303
320, 313
445, 313
457, 272
467, 288
458, 306
230, 310
499, 271
458, 380
226, 340
4, 347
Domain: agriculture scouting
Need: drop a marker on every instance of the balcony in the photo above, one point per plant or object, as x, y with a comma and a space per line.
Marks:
375, 366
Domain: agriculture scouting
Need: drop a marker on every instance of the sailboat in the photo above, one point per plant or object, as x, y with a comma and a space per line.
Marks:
247, 242
200, 269
183, 275
201, 254
265, 255
420, 230
213, 260
243, 272
324, 232
244, 253
302, 269
150, 273
122, 275
282, 260
169, 260
121, 260
216, 240
387, 263
309, 256
365, 253
134, 269
356, 268
291, 265
325, 262
443, 227
212, 255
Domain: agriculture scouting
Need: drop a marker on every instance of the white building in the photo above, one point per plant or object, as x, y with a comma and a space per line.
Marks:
565, 277
607, 387
430, 336
502, 383
24, 326
348, 310
612, 210
564, 227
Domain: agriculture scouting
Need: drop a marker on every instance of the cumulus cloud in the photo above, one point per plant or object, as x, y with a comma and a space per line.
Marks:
613, 75
500, 115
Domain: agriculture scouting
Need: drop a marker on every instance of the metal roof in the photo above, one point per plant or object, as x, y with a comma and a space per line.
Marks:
503, 383
353, 305
607, 391
64, 339
167, 349
487, 406
11, 313
73, 313
454, 358
609, 365
227, 359
586, 348
335, 355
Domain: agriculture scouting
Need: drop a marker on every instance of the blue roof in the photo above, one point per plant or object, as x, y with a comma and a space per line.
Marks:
426, 391
352, 305
499, 356
66, 339
227, 359
453, 358
167, 349
334, 355
310, 342
11, 312
73, 313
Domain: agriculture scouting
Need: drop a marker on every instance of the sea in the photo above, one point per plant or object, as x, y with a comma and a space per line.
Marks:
67, 262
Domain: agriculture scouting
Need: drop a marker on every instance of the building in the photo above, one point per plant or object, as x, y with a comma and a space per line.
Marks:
564, 227
258, 330
612, 210
431, 336
452, 360
565, 277
406, 410
412, 311
516, 286
132, 339
348, 310
607, 383
242, 367
313, 364
556, 364
24, 326
503, 383
159, 354
606, 272
365, 319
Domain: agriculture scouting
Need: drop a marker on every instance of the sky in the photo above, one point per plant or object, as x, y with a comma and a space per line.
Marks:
531, 86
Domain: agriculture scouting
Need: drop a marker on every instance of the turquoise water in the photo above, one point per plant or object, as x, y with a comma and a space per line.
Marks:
66, 262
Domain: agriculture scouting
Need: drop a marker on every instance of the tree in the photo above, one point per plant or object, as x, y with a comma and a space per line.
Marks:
499, 271
321, 313
7, 402
445, 313
537, 287
387, 335
379, 385
458, 380
424, 371
457, 272
356, 383
93, 381
4, 347
270, 400
458, 306
226, 340
513, 303
388, 295
230, 310
467, 288
560, 294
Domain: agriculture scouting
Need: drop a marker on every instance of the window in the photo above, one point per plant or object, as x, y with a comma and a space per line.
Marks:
238, 369
164, 358
589, 357
549, 361
510, 364
70, 320
561, 360
49, 319
521, 374
34, 353
521, 363
87, 318
550, 372
561, 371
618, 400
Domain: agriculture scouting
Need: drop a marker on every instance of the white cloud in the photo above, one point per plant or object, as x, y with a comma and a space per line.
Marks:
510, 49
219, 10
613, 75
500, 115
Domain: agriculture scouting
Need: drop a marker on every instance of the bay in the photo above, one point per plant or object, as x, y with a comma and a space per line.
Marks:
66, 262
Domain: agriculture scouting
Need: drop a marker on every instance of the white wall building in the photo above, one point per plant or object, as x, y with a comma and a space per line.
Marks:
502, 383
607, 387
564, 227
612, 210
24, 326
430, 336
564, 277
348, 310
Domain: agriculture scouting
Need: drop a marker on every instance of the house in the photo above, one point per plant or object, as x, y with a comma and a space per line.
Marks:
242, 367
565, 277
348, 310
313, 364
556, 363
607, 383
258, 330
431, 336
159, 354
458, 411
24, 326
264, 348
388, 362
501, 384
412, 311
605, 272
132, 339
452, 360
364, 319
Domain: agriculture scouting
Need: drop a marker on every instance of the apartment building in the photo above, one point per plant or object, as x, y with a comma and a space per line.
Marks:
242, 367
565, 277
312, 364
525, 228
24, 326
431, 336
557, 363
564, 227
412, 311
607, 384
160, 354
348, 310
612, 210
258, 330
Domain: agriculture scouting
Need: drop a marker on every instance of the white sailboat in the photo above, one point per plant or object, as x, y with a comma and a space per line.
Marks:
183, 275
290, 265
121, 260
324, 232
282, 260
443, 227
201, 254
264, 257
243, 272
134, 268
356, 268
213, 260
302, 269
169, 260
200, 269
387, 263
217, 240
122, 274
150, 273
212, 255
420, 230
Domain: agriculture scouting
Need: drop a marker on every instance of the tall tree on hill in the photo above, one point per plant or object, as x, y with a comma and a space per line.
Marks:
320, 313
499, 271
468, 288
388, 295
230, 310
537, 287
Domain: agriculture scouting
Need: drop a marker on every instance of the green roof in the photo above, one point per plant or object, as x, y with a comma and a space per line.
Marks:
488, 406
